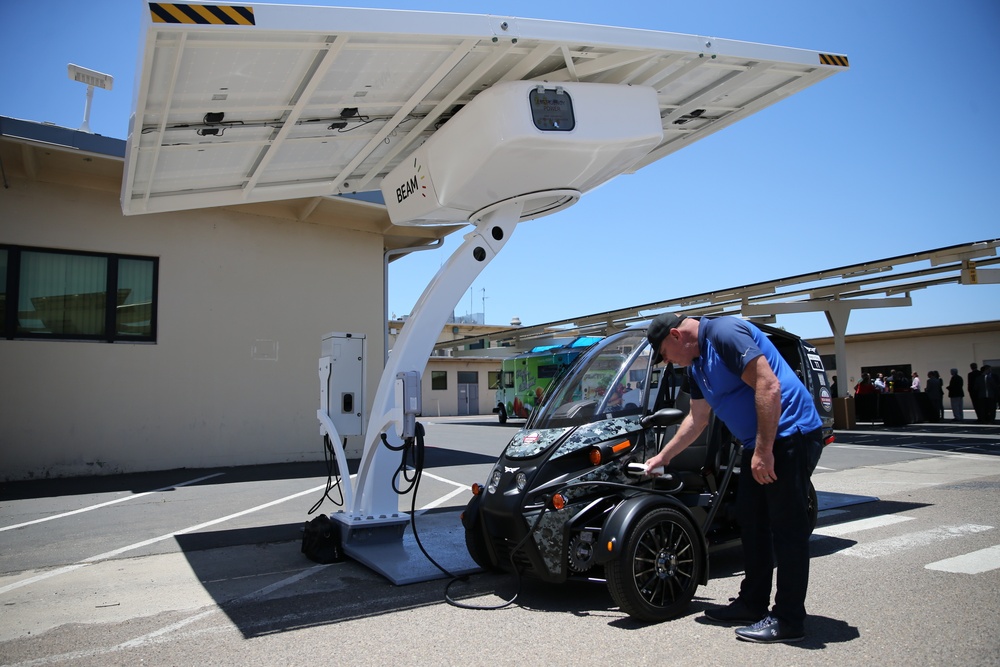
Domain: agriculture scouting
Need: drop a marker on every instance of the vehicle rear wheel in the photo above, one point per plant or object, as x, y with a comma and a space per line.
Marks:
659, 570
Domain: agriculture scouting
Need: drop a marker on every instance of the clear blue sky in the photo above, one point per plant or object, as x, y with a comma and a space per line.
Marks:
898, 155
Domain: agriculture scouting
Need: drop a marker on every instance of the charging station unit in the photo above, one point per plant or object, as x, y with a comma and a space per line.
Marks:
342, 366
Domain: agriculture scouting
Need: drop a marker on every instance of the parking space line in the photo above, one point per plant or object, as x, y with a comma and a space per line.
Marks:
138, 545
974, 562
157, 635
462, 487
443, 479
911, 448
839, 529
110, 502
922, 434
443, 499
912, 540
254, 595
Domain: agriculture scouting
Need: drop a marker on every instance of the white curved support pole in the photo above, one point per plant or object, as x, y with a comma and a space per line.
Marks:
338, 452
374, 498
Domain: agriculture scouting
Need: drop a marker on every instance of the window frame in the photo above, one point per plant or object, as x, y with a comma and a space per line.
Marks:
467, 375
111, 334
435, 377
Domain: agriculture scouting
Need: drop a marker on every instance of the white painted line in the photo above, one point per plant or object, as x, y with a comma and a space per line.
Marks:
975, 562
190, 529
40, 577
442, 479
921, 434
111, 502
138, 545
912, 540
461, 487
147, 638
254, 595
156, 635
913, 449
444, 498
861, 524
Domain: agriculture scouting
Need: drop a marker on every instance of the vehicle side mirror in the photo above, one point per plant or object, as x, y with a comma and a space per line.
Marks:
662, 417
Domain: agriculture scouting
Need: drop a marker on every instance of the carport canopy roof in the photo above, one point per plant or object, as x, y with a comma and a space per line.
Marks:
237, 104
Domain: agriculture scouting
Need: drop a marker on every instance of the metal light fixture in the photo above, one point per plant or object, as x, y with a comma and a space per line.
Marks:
93, 79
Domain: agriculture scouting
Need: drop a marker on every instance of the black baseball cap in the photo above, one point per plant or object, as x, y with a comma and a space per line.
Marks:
658, 330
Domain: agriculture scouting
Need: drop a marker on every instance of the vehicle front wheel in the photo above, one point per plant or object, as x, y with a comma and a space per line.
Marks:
502, 415
475, 541
659, 570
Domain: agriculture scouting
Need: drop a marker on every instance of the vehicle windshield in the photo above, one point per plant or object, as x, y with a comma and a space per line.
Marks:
606, 382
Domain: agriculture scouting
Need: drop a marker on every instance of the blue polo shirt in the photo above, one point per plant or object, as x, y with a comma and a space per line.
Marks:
727, 345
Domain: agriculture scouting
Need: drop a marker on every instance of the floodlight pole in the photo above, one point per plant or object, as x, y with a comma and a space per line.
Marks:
85, 127
92, 78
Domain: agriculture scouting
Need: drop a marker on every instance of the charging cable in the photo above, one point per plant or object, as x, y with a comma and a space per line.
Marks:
332, 470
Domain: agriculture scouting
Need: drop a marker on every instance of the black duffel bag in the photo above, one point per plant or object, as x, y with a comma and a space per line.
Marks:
321, 540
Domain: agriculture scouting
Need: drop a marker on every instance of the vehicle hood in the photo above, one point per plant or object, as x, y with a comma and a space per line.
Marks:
528, 443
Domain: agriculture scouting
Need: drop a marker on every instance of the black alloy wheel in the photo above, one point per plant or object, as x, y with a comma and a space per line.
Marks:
660, 567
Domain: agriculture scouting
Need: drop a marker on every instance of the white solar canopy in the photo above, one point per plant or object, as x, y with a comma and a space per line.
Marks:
320, 101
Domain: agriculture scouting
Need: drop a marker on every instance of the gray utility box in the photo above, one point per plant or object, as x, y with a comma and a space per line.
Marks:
342, 381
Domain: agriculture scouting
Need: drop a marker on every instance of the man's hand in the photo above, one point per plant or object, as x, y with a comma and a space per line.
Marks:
658, 461
762, 466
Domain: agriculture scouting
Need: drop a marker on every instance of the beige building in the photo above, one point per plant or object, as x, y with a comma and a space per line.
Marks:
207, 354
917, 350
460, 381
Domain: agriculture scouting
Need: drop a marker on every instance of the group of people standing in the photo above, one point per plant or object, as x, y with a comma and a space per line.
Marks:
984, 391
983, 387
895, 381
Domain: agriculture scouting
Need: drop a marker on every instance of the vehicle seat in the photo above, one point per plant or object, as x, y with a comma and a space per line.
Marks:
691, 459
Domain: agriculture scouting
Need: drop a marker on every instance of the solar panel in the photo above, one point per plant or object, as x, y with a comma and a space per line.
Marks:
248, 103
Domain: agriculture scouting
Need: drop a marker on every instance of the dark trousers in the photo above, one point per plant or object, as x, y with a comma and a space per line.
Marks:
775, 528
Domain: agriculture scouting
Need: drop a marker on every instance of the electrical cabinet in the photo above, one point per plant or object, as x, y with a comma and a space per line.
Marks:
342, 381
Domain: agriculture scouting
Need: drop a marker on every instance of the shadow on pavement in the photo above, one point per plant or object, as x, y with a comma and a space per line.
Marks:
141, 482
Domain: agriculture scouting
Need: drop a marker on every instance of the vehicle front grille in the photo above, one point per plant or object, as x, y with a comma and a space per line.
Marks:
503, 548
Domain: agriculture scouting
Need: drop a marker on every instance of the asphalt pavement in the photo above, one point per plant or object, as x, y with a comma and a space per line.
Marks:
205, 566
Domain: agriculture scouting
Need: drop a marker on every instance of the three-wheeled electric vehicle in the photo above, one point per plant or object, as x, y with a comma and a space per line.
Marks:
561, 502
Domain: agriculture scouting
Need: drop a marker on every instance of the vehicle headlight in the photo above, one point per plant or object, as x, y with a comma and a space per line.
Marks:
494, 481
521, 480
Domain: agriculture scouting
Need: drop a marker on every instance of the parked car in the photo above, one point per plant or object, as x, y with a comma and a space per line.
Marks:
561, 503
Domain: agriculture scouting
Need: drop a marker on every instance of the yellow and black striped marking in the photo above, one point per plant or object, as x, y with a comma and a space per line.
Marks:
170, 12
830, 59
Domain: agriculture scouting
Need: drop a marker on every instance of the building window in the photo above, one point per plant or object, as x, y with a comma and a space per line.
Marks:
3, 290
65, 295
439, 379
468, 377
493, 379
